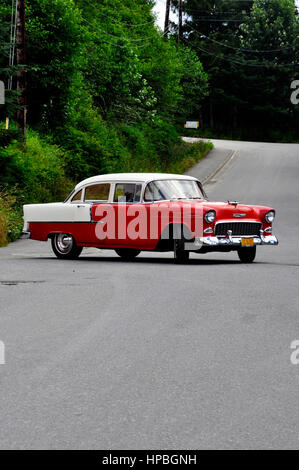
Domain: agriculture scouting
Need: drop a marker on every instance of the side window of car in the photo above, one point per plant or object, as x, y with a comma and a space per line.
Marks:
97, 192
152, 193
127, 192
77, 197
149, 193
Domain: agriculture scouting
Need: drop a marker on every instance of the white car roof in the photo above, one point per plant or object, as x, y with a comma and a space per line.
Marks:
132, 177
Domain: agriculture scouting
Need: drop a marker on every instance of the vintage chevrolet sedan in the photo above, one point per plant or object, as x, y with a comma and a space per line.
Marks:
134, 212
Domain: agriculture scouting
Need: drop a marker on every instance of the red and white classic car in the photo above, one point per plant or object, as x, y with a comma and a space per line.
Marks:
134, 212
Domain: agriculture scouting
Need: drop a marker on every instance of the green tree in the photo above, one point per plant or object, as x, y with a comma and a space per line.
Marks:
272, 26
55, 40
245, 85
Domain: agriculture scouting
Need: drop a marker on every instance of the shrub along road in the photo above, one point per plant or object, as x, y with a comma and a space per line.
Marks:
102, 353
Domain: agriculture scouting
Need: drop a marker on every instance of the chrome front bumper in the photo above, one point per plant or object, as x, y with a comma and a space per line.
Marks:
236, 241
25, 235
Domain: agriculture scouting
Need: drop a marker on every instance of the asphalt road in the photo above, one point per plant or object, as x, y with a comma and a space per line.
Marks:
106, 354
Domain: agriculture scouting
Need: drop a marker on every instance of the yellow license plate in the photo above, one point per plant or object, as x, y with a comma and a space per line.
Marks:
247, 242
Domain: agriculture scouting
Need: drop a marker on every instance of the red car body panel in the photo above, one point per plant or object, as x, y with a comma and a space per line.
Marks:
85, 233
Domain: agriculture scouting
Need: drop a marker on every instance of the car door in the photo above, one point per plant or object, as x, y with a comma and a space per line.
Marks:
130, 216
84, 208
80, 209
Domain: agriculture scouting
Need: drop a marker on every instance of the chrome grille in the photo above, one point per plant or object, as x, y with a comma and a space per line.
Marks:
238, 228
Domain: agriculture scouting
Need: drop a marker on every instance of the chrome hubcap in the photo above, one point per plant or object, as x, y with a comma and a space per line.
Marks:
64, 243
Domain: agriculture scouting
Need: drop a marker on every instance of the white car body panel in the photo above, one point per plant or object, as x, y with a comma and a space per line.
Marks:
57, 212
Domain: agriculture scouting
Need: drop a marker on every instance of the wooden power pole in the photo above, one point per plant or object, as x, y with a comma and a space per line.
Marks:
180, 19
167, 12
21, 62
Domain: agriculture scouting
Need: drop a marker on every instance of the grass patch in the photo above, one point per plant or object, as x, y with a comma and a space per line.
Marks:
186, 155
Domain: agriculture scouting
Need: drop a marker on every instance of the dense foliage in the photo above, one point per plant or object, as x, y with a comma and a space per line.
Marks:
105, 93
251, 52
103, 82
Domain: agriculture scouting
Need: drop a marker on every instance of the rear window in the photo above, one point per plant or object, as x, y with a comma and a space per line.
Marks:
77, 196
97, 192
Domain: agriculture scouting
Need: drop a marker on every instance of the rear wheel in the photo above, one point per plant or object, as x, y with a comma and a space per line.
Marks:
64, 246
247, 254
127, 253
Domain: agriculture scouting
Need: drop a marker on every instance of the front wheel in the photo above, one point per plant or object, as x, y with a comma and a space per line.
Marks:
64, 246
127, 254
180, 254
247, 254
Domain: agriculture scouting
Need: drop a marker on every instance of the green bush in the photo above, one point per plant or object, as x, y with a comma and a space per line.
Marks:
6, 137
37, 171
11, 221
29, 175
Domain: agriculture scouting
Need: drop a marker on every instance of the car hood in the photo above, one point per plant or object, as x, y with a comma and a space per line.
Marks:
225, 210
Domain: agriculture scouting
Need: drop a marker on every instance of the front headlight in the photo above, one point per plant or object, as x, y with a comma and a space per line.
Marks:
270, 216
210, 217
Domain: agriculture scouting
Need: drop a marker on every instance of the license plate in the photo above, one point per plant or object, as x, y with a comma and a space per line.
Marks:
247, 242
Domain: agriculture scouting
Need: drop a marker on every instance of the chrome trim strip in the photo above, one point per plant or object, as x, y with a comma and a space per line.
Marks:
237, 241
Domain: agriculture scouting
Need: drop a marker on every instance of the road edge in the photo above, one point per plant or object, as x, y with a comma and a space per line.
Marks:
212, 175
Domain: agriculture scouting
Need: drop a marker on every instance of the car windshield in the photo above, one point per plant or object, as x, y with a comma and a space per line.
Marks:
173, 189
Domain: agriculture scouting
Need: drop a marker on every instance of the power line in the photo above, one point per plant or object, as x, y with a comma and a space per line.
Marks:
122, 46
118, 37
125, 39
239, 62
240, 48
212, 12
220, 20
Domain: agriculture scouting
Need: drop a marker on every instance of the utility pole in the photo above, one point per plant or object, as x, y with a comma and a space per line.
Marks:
180, 20
21, 62
167, 12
